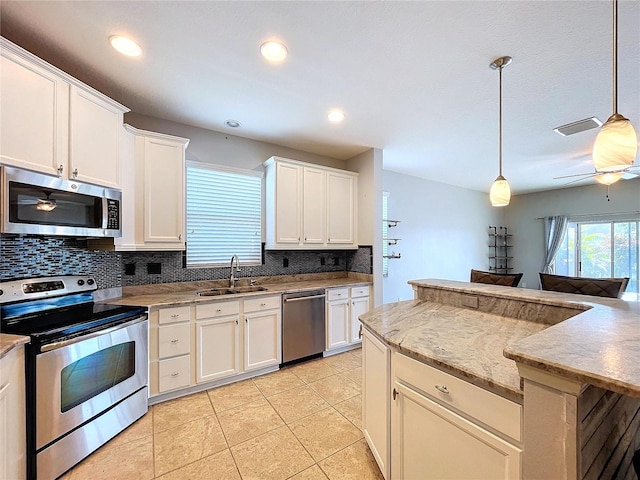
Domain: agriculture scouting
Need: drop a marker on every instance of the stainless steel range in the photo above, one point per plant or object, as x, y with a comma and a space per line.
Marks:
86, 368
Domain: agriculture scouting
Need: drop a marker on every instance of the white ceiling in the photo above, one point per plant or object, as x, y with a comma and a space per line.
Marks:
412, 77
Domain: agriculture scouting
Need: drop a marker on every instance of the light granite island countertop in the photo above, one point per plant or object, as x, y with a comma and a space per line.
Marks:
572, 361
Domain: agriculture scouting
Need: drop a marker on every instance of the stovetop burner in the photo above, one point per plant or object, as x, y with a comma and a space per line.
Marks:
29, 308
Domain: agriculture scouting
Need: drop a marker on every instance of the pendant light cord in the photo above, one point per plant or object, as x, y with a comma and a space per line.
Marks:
500, 71
615, 57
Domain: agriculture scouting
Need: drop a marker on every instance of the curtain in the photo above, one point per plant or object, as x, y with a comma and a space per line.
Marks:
555, 228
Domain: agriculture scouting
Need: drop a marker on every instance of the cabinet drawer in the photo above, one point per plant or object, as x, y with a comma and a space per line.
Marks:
360, 291
174, 340
337, 293
262, 303
174, 314
173, 373
478, 403
217, 309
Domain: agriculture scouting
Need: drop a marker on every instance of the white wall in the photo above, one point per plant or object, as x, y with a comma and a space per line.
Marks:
224, 149
443, 230
523, 213
369, 166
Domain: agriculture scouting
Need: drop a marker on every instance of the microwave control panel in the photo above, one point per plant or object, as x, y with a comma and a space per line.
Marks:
113, 214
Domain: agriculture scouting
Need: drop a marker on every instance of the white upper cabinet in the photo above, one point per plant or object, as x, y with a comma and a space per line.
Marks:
288, 189
314, 205
153, 192
341, 198
310, 206
54, 124
94, 137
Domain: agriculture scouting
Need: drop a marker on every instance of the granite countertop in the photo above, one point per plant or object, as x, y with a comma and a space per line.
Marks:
168, 294
598, 344
8, 342
465, 342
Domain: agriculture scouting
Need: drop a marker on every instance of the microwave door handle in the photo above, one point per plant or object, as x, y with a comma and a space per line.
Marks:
82, 338
105, 212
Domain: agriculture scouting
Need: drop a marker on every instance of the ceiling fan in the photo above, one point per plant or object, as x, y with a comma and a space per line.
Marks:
605, 178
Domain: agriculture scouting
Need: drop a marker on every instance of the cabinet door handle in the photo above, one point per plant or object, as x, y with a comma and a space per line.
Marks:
179, 236
395, 393
75, 173
442, 389
246, 320
175, 374
175, 315
60, 170
218, 310
360, 332
263, 304
175, 340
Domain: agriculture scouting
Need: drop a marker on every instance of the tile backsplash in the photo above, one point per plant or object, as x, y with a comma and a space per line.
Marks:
23, 256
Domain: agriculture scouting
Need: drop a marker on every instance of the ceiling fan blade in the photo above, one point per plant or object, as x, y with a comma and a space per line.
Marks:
578, 180
577, 175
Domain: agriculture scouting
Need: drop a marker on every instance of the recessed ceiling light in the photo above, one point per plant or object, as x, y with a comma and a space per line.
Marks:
273, 51
335, 115
232, 123
125, 46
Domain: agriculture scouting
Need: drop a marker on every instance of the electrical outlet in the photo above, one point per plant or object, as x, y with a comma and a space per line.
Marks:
524, 285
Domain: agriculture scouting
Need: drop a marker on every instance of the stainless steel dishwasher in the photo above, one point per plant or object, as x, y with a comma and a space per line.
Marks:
302, 324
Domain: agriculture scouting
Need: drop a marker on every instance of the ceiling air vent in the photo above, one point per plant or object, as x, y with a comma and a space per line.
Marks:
577, 127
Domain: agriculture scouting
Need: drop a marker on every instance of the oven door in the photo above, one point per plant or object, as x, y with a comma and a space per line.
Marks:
80, 378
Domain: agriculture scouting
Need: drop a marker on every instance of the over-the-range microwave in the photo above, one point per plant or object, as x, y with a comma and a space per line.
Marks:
34, 203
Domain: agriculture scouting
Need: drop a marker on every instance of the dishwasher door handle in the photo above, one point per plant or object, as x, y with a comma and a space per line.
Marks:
299, 299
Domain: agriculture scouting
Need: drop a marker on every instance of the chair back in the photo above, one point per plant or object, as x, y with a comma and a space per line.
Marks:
506, 279
599, 287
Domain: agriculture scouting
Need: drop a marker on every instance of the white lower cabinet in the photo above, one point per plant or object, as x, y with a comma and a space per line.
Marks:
174, 373
170, 349
443, 427
376, 359
217, 348
191, 345
344, 306
262, 332
12, 415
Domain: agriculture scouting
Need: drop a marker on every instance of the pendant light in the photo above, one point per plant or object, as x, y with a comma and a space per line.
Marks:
616, 145
500, 193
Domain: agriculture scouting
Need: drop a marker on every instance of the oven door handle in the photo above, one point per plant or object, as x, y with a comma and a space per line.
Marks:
82, 338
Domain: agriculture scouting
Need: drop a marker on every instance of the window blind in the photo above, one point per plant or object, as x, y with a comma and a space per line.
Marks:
224, 216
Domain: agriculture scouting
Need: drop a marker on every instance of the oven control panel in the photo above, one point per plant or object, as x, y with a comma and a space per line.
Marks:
34, 288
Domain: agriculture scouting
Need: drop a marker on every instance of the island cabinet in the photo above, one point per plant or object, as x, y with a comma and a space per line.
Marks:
376, 365
446, 428
12, 415
344, 306
55, 124
198, 346
310, 206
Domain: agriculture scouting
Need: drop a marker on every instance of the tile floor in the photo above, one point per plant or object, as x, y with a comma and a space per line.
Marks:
301, 423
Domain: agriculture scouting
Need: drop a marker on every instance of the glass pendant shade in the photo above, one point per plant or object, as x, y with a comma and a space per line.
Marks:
616, 145
500, 193
609, 178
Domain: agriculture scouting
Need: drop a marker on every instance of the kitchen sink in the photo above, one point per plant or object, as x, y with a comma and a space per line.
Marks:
214, 292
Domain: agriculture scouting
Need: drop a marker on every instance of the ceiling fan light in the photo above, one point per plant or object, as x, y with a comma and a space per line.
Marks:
616, 145
609, 178
500, 193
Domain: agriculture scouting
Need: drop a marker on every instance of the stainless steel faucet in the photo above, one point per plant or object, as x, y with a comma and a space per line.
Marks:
232, 278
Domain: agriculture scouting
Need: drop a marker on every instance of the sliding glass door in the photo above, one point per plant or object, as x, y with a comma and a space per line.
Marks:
601, 250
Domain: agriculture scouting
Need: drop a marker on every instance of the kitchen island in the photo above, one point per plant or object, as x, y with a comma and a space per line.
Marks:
559, 377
